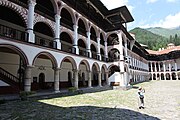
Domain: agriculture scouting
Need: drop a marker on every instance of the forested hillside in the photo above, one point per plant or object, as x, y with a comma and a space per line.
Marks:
164, 31
154, 41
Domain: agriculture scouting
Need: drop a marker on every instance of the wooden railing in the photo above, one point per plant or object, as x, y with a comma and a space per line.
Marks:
8, 77
9, 32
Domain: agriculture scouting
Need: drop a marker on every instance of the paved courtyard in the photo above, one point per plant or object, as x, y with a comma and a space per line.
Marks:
162, 101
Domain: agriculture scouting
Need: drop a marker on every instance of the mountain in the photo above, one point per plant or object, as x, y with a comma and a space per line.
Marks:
164, 31
152, 40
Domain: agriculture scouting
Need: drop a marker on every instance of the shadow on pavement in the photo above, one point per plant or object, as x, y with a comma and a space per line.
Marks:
36, 110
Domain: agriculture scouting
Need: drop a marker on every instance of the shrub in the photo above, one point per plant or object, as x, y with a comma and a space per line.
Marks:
72, 89
24, 95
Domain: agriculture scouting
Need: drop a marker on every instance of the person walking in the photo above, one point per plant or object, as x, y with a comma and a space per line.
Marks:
141, 92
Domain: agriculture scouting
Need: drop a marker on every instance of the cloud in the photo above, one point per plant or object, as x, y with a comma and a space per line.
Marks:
171, 21
171, 1
117, 3
151, 1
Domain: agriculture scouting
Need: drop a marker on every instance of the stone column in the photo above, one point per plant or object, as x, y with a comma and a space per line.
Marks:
175, 65
56, 80
75, 44
89, 79
98, 50
75, 78
99, 79
89, 43
30, 20
27, 79
57, 31
107, 78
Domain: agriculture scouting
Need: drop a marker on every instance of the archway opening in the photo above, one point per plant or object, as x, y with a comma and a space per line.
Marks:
43, 73
66, 19
43, 35
112, 40
45, 8
67, 73
12, 70
82, 48
66, 42
12, 28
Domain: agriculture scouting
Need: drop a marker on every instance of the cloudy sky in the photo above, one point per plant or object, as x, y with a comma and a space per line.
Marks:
150, 13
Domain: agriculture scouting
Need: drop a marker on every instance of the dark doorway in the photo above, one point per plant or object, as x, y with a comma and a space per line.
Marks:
69, 79
41, 80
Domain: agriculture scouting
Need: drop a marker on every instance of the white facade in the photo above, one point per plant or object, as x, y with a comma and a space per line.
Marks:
55, 54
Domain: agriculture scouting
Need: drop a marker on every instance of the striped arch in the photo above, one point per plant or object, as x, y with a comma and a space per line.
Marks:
86, 63
85, 22
95, 28
73, 62
55, 6
95, 45
109, 33
49, 55
17, 50
70, 12
97, 66
105, 68
22, 12
85, 42
46, 21
68, 32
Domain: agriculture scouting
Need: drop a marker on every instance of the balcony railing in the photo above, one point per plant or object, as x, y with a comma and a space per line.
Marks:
12, 33
68, 48
94, 55
45, 42
103, 58
83, 52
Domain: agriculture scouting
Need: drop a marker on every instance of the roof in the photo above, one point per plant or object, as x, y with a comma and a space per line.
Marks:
107, 20
165, 51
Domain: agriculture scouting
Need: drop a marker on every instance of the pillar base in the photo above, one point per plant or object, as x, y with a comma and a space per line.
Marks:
57, 91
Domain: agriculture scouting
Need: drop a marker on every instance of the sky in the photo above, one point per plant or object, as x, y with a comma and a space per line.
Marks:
150, 13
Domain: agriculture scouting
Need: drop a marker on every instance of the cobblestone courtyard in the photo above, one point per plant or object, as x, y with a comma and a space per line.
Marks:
162, 101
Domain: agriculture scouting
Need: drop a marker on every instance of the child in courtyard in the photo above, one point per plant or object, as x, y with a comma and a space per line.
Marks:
141, 92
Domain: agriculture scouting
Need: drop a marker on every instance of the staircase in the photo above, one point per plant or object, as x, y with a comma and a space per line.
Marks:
10, 79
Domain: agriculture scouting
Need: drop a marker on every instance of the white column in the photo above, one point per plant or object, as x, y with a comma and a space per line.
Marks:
169, 66
30, 20
155, 67
27, 79
159, 67
98, 50
106, 51
121, 46
75, 44
75, 78
164, 66
99, 79
89, 43
126, 49
57, 31
175, 65
56, 80
89, 79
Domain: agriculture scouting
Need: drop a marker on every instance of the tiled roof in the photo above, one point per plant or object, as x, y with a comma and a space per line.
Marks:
165, 51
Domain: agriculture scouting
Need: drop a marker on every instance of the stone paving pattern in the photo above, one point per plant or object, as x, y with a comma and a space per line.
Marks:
162, 101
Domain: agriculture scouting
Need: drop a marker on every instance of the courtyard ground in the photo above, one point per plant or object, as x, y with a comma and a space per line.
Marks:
162, 101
